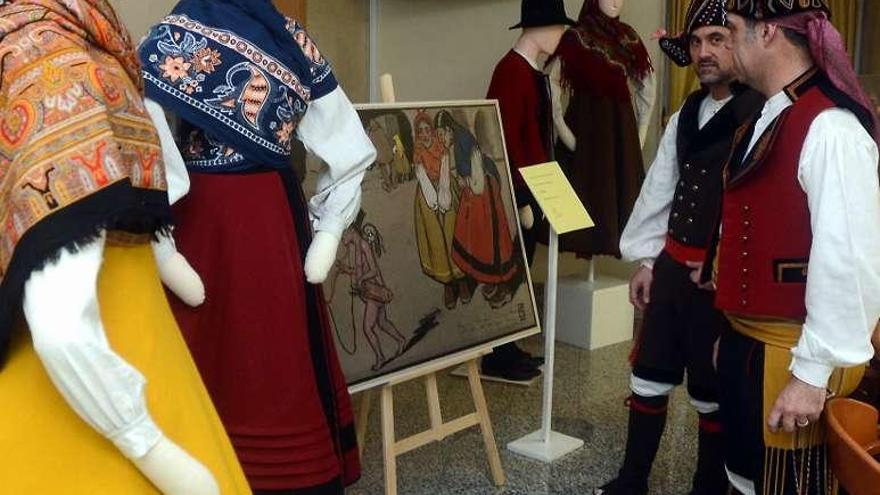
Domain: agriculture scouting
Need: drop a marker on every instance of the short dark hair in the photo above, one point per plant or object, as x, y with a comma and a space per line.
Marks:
795, 38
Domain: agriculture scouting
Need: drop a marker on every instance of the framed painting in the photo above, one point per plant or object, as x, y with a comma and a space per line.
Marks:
434, 264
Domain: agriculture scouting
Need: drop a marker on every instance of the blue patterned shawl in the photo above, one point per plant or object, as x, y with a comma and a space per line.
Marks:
240, 75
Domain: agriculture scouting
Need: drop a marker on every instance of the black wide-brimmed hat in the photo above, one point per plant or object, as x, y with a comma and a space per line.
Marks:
537, 13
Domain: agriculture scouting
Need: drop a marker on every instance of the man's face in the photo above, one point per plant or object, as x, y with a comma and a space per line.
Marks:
745, 47
711, 54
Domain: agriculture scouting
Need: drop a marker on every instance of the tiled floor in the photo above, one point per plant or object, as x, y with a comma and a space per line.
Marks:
590, 390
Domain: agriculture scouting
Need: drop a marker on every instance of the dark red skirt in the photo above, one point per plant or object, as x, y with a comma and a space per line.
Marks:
262, 340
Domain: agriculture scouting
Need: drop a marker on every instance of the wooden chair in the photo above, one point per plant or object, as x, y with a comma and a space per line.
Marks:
852, 444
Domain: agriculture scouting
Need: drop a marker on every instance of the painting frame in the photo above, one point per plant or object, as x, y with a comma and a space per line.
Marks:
524, 293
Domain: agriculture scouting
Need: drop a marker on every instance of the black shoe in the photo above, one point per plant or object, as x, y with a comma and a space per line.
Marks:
513, 373
619, 487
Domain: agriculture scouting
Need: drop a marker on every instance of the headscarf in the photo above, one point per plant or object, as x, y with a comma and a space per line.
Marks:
241, 73
701, 13
829, 53
601, 52
78, 151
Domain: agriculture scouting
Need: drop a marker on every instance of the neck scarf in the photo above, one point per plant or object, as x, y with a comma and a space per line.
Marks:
78, 152
241, 74
601, 52
829, 54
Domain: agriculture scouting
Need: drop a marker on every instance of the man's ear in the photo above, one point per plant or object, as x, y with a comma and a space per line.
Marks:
768, 32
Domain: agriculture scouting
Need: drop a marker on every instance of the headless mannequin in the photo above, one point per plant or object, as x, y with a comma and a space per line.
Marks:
535, 43
103, 389
644, 101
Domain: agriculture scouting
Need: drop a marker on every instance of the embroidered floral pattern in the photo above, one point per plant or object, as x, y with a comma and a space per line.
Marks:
206, 60
175, 68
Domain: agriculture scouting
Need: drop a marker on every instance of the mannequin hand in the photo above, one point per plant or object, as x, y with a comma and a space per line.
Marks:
175, 472
177, 274
526, 217
320, 258
660, 33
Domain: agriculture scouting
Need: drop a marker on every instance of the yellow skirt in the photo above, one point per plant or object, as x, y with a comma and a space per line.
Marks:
47, 449
434, 234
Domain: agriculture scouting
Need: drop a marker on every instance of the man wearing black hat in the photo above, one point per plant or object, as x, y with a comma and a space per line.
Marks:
796, 269
523, 95
669, 230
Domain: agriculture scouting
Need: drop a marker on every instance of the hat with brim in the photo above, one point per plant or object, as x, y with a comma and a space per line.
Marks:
702, 13
540, 13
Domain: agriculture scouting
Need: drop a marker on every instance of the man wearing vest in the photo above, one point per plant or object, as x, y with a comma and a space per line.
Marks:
670, 228
797, 270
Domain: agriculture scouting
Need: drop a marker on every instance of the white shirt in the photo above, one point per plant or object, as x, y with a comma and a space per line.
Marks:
645, 233
332, 131
838, 173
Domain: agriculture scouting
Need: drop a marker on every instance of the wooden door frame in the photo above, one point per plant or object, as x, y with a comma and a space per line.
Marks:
295, 9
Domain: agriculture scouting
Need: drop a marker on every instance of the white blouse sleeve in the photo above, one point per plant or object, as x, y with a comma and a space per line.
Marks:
175, 169
332, 130
644, 236
838, 172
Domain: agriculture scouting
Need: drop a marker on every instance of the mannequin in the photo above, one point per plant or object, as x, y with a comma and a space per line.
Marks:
523, 96
247, 230
85, 278
604, 91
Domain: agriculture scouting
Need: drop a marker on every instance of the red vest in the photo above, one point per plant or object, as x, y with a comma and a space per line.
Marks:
766, 237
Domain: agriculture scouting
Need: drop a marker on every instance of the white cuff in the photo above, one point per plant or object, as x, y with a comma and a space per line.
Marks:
136, 439
332, 225
647, 263
813, 373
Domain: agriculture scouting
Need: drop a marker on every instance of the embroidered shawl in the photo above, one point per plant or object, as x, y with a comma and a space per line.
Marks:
240, 74
78, 151
601, 53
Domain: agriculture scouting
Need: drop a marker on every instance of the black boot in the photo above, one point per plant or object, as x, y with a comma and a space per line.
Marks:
710, 477
647, 419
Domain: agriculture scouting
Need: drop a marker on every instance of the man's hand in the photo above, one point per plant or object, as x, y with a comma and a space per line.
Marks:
640, 287
526, 217
696, 273
798, 405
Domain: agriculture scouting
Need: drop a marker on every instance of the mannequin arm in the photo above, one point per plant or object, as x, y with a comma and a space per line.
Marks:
559, 102
176, 272
526, 217
175, 169
645, 98
320, 257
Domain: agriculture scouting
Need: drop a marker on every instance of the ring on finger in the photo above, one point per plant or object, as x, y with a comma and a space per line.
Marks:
802, 422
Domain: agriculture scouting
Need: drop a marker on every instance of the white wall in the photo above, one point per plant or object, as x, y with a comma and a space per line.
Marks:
140, 15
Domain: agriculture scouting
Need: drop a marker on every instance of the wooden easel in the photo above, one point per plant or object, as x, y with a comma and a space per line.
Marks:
439, 430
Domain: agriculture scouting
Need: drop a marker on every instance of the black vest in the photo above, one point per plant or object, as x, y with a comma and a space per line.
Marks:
702, 154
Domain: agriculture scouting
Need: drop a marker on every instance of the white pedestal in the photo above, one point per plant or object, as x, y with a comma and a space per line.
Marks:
533, 446
594, 314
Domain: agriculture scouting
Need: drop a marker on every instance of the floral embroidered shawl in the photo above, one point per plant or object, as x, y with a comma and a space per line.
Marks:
240, 75
78, 151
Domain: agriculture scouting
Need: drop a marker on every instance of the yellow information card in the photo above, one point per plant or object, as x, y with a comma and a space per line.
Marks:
557, 198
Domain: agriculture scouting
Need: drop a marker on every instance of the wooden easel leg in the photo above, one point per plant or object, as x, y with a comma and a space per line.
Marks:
485, 423
434, 411
388, 441
365, 400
